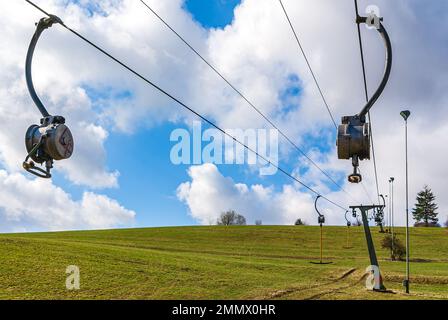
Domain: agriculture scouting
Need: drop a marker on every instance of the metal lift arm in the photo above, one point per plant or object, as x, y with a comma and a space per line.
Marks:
347, 220
354, 133
384, 200
321, 218
387, 68
43, 24
52, 139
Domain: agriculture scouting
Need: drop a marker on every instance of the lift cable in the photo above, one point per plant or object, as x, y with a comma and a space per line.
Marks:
186, 107
312, 73
245, 98
367, 99
365, 189
309, 65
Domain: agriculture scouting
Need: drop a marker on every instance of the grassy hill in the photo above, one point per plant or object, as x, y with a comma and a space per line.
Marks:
253, 262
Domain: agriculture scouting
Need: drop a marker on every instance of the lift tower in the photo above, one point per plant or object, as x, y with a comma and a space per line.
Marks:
370, 246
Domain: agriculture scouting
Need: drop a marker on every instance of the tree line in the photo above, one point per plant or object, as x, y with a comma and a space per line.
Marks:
425, 213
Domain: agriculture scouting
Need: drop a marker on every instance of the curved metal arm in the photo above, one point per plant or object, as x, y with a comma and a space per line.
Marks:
387, 68
321, 218
315, 207
346, 219
43, 24
384, 200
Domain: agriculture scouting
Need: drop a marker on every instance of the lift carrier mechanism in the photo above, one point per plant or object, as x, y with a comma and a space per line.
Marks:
353, 141
52, 139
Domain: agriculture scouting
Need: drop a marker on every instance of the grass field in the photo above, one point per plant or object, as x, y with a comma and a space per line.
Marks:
253, 262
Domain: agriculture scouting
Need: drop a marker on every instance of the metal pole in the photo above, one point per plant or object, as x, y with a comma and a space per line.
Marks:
407, 210
392, 216
405, 114
348, 235
321, 243
389, 211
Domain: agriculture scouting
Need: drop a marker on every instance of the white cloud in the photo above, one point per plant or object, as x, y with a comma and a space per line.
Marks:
210, 193
259, 45
85, 166
32, 205
257, 53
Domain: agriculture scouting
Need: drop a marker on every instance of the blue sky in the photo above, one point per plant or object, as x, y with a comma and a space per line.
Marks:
123, 126
212, 13
148, 180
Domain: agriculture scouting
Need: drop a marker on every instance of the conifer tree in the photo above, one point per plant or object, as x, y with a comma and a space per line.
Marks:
426, 208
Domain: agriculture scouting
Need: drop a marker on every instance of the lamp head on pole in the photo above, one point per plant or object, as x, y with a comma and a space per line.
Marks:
405, 114
391, 179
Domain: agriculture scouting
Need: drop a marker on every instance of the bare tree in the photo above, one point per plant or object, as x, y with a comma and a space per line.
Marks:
258, 222
300, 222
240, 220
231, 218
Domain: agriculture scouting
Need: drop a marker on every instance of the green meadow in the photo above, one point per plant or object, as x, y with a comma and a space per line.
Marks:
217, 262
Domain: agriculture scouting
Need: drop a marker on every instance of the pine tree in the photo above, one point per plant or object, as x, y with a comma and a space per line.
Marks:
426, 209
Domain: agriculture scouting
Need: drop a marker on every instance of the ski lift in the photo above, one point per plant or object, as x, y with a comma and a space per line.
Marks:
353, 141
52, 139
346, 219
354, 215
378, 216
321, 221
348, 230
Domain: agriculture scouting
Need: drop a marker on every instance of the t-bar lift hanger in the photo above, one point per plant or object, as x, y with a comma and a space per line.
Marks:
353, 140
321, 221
52, 139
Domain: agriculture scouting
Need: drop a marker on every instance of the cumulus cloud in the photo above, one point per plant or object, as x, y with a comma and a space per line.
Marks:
258, 54
209, 193
32, 205
259, 45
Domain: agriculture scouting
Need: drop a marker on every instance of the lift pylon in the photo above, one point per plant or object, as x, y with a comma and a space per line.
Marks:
370, 246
